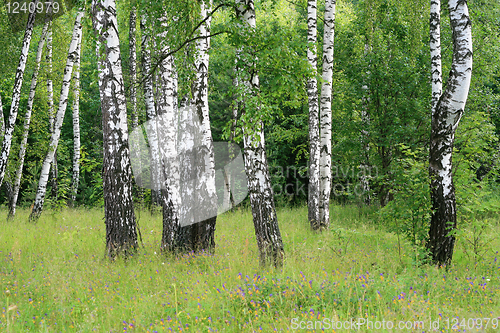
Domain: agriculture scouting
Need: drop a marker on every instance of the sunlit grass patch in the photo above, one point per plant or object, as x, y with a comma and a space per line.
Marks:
59, 280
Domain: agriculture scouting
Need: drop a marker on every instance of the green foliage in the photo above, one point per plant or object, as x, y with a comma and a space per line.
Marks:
409, 212
381, 93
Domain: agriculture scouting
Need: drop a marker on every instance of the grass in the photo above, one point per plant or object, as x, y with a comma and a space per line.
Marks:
54, 278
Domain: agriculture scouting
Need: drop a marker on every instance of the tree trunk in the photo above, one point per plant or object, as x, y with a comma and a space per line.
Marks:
365, 165
445, 118
76, 128
228, 200
168, 125
51, 111
133, 91
188, 127
63, 102
435, 46
312, 95
365, 159
133, 66
50, 97
27, 121
50, 86
202, 231
2, 125
156, 177
121, 229
325, 166
16, 95
259, 184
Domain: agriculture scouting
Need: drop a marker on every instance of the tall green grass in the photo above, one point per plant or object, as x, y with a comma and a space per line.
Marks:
54, 278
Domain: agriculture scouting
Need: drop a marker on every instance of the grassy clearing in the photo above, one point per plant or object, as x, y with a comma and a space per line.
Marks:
58, 280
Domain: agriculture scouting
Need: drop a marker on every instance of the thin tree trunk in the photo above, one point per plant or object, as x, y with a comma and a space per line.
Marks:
312, 95
63, 102
228, 200
133, 66
135, 151
76, 128
51, 111
16, 95
445, 118
156, 177
50, 86
325, 166
365, 138
27, 121
121, 228
2, 125
435, 46
259, 184
365, 159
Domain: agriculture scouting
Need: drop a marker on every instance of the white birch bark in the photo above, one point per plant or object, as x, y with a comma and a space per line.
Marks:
63, 102
168, 125
50, 86
312, 95
121, 228
365, 160
135, 150
325, 165
51, 111
133, 66
265, 220
76, 126
205, 192
228, 199
445, 118
2, 127
156, 177
435, 46
365, 138
16, 95
27, 121
186, 146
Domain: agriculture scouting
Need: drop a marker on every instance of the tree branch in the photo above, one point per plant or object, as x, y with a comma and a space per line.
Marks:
187, 41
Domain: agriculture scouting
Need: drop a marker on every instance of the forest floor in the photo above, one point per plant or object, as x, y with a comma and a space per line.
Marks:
54, 278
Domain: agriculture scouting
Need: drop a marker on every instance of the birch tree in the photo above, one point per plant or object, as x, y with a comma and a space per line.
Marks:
16, 94
2, 125
448, 108
58, 120
156, 177
51, 111
76, 127
312, 96
135, 155
121, 232
168, 125
228, 199
27, 121
134, 116
259, 184
133, 65
325, 166
199, 236
435, 46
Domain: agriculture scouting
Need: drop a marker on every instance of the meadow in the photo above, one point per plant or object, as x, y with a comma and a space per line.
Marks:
54, 278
